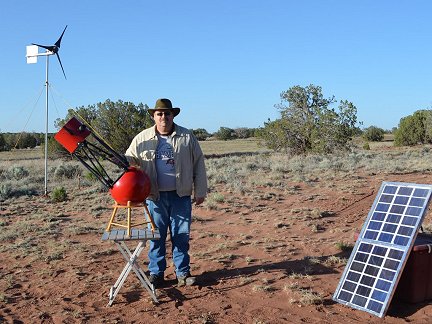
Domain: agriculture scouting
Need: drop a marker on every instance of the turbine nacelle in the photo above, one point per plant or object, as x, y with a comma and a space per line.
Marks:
53, 49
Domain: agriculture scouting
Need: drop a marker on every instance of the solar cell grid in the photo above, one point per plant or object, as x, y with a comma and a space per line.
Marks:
359, 293
384, 224
379, 255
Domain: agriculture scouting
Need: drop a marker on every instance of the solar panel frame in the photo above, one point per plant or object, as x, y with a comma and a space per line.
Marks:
383, 246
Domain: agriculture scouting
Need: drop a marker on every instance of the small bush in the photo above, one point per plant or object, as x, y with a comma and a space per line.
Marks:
91, 177
55, 149
27, 189
5, 190
243, 132
373, 134
217, 197
17, 172
68, 171
310, 297
4, 298
366, 146
201, 134
344, 247
59, 194
224, 134
3, 144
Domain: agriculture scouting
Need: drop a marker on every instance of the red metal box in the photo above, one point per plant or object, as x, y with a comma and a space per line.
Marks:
415, 284
72, 134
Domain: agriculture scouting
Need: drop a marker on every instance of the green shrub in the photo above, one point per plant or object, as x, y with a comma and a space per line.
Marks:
68, 171
243, 132
3, 144
373, 134
115, 122
414, 129
5, 190
17, 172
3, 174
366, 146
224, 134
27, 189
59, 194
218, 197
201, 134
91, 177
26, 140
55, 150
344, 247
309, 123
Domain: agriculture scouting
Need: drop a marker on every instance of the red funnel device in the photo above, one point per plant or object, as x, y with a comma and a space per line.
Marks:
134, 186
129, 190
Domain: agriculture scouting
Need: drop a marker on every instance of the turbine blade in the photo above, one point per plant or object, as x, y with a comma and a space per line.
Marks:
58, 56
49, 48
59, 40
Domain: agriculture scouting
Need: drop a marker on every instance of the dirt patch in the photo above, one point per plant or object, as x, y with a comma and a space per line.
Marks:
272, 256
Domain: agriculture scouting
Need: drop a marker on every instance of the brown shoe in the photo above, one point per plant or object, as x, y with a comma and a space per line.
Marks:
186, 280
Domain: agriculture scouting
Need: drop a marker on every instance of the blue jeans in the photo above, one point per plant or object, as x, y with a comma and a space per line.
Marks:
175, 213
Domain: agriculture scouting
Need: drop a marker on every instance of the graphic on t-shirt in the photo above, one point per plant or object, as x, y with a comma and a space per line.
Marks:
171, 161
165, 165
166, 154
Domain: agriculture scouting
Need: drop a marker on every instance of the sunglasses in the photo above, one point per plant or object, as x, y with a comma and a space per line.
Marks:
166, 113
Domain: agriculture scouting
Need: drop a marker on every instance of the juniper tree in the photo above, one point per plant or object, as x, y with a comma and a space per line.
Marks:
310, 123
116, 122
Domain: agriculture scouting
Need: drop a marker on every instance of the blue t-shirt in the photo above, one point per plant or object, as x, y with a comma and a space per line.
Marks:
165, 164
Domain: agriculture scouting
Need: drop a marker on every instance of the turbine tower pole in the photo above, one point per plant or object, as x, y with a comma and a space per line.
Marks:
46, 124
32, 55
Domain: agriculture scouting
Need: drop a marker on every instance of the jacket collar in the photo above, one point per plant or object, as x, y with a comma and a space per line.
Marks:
175, 131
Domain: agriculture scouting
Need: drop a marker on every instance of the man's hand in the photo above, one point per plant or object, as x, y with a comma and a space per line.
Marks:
199, 200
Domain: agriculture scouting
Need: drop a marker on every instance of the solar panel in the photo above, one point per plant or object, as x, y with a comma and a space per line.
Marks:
385, 241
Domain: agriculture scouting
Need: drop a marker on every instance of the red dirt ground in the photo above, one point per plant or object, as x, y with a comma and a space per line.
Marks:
255, 256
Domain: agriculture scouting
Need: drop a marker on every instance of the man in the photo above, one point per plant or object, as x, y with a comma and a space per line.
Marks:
171, 156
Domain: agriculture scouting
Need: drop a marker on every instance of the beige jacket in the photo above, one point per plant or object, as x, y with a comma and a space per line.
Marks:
189, 161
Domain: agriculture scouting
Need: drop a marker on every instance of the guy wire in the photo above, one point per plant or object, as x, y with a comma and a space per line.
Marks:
52, 98
28, 119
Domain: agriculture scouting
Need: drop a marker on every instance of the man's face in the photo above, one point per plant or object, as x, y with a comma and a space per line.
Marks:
164, 120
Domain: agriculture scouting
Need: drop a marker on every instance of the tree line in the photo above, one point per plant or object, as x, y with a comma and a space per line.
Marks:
9, 141
309, 123
115, 122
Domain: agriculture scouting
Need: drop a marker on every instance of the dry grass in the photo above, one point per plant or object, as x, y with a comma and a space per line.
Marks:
21, 171
216, 147
248, 188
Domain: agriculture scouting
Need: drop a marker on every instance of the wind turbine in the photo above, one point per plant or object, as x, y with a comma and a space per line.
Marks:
32, 54
54, 49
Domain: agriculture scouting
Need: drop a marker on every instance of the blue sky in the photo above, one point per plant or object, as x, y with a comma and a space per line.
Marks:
224, 63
